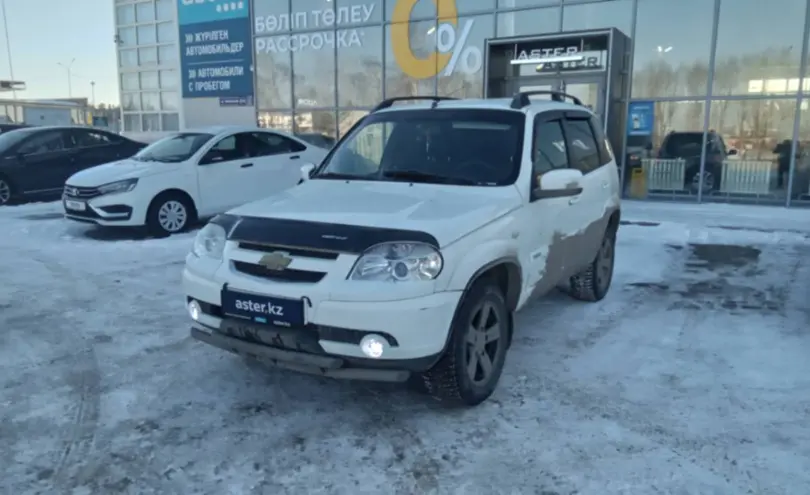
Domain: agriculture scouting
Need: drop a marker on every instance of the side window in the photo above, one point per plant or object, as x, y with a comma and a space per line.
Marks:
274, 144
90, 138
227, 149
46, 142
582, 145
549, 151
605, 151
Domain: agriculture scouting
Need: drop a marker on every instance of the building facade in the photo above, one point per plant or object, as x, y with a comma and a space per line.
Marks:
704, 75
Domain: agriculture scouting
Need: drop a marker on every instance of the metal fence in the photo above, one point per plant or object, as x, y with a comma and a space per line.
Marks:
747, 177
664, 175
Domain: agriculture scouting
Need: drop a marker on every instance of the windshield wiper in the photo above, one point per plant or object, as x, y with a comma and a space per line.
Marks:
418, 176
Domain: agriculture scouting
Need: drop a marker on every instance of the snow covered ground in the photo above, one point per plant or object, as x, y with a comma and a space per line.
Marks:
692, 377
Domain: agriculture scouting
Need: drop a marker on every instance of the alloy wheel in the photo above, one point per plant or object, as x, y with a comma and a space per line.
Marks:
483, 341
172, 216
604, 264
5, 192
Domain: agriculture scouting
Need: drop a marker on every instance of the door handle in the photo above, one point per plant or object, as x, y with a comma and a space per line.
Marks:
573, 201
246, 165
295, 157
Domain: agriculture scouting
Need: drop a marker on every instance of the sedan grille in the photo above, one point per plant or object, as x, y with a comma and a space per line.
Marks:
81, 192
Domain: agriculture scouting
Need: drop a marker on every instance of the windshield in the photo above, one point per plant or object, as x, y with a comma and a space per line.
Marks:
177, 148
684, 144
448, 146
12, 137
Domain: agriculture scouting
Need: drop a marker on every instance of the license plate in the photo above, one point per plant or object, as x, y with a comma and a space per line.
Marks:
263, 309
75, 205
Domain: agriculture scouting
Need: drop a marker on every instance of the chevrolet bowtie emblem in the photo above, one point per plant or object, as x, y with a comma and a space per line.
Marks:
275, 261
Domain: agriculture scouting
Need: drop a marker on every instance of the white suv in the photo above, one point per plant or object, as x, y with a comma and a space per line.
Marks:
407, 251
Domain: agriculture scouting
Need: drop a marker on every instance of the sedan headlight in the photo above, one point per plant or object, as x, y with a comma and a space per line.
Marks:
210, 242
398, 262
120, 186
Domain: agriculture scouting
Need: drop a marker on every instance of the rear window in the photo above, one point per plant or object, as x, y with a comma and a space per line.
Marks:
457, 146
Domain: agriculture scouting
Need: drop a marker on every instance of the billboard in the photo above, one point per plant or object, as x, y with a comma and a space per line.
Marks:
216, 56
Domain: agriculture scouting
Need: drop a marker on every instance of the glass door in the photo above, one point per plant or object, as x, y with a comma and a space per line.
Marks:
590, 91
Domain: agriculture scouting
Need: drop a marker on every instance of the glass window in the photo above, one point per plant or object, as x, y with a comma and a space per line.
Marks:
370, 10
318, 122
275, 144
125, 14
411, 68
801, 170
169, 100
127, 36
464, 7
167, 54
616, 13
750, 146
151, 122
360, 69
150, 101
462, 75
145, 12
175, 148
670, 60
408, 10
529, 22
129, 81
267, 13
45, 142
582, 145
276, 120
165, 10
549, 149
169, 79
130, 101
758, 53
170, 121
90, 138
347, 118
149, 80
460, 147
166, 32
128, 58
509, 4
132, 122
146, 35
273, 73
314, 71
147, 56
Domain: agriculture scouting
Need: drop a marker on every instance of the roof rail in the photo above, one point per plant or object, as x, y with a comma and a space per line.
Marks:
389, 102
521, 99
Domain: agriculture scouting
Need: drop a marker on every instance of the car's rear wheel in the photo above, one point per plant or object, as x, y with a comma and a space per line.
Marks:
169, 213
472, 364
593, 283
6, 191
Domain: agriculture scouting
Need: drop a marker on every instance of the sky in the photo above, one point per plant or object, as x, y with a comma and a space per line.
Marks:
44, 33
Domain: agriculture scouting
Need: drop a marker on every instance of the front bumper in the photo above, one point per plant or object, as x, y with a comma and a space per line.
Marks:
416, 329
111, 210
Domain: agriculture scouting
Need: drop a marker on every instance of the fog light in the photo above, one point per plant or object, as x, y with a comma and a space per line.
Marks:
373, 346
194, 310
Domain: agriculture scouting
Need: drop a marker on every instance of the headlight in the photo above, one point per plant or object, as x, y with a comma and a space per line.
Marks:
398, 262
210, 242
120, 186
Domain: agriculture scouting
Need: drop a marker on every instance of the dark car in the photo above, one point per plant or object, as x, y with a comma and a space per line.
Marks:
11, 127
689, 146
316, 139
36, 161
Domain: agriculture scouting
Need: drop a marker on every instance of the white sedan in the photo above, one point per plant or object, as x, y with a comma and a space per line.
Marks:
193, 174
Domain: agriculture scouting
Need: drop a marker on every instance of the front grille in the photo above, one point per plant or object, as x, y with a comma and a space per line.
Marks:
81, 192
288, 275
297, 252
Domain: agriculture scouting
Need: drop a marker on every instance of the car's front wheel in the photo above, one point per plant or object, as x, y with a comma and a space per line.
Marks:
169, 213
471, 366
5, 191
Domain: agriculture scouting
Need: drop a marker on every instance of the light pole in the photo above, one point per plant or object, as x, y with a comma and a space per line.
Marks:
93, 93
68, 67
8, 48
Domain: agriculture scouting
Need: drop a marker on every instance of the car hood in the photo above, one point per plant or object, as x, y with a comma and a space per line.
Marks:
119, 170
445, 212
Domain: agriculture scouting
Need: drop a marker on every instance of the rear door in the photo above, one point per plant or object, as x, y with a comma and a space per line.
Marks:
94, 148
278, 163
47, 161
225, 175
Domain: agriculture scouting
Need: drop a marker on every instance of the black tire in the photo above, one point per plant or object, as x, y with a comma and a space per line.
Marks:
593, 283
449, 380
6, 191
156, 227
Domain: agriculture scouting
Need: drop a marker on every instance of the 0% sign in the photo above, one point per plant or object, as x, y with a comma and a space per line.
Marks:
453, 41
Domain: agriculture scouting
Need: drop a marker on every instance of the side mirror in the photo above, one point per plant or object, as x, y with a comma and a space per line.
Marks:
560, 183
306, 171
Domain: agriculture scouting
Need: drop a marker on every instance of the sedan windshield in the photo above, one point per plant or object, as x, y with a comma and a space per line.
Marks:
10, 138
172, 149
442, 146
